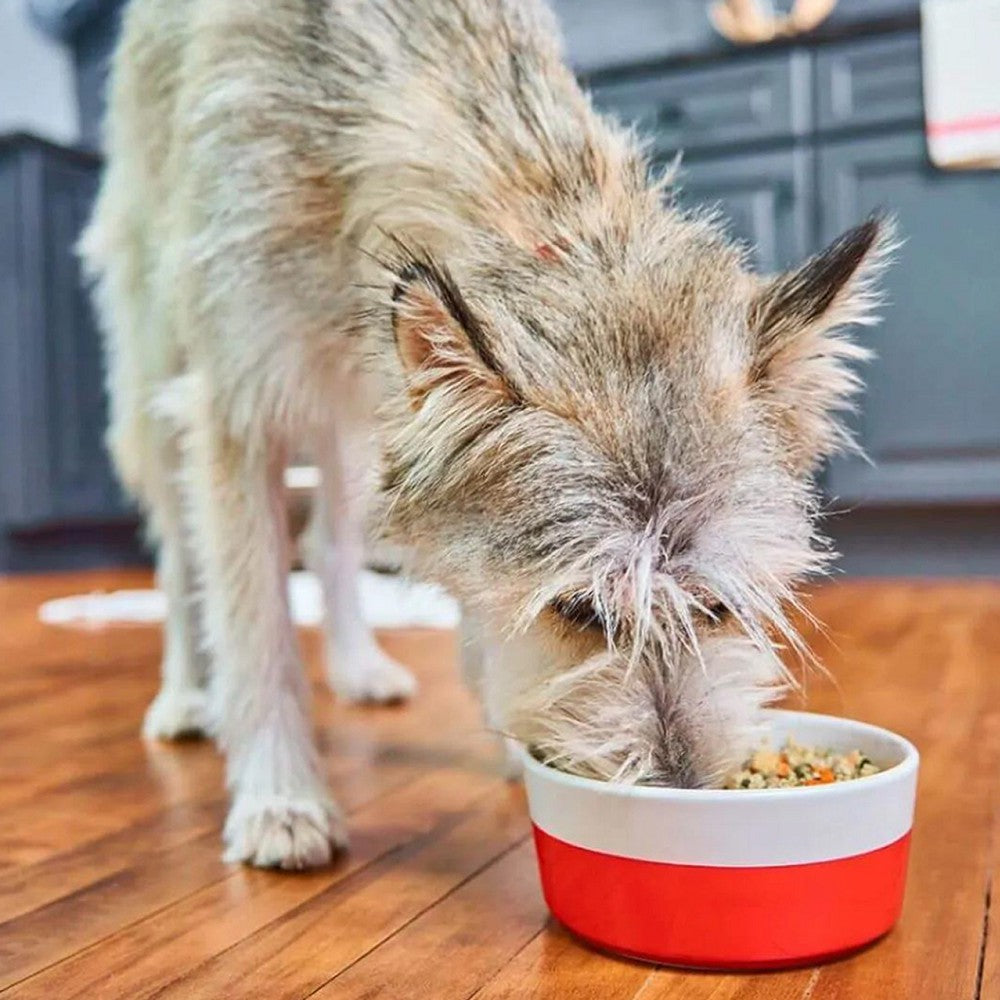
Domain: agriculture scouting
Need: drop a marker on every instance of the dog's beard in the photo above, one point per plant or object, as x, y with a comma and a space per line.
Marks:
685, 726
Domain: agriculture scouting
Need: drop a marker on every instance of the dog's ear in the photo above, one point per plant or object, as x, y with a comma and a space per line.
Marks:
803, 360
439, 338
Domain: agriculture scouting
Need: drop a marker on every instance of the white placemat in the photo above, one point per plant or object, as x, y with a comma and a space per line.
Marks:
387, 601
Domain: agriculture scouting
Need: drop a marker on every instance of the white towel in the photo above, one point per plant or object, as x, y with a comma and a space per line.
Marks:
961, 56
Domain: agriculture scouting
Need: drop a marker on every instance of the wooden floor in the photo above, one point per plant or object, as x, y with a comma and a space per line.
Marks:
111, 883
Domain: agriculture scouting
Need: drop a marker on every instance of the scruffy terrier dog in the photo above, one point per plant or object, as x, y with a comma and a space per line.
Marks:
396, 230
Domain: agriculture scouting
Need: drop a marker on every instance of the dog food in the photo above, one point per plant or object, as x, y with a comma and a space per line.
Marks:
795, 765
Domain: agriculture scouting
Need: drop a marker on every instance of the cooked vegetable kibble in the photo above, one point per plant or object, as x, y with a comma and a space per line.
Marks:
795, 765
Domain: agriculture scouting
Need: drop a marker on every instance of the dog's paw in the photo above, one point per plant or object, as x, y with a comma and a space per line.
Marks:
177, 713
378, 678
283, 831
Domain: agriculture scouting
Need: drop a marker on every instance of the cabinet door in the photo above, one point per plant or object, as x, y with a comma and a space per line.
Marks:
930, 418
82, 485
876, 81
60, 474
766, 199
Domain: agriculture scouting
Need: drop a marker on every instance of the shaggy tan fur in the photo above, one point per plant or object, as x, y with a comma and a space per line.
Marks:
399, 224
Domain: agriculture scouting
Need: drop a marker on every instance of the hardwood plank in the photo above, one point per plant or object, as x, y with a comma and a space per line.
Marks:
138, 960
93, 703
26, 776
31, 886
110, 900
65, 817
304, 949
988, 980
37, 939
457, 944
989, 972
674, 984
199, 812
553, 965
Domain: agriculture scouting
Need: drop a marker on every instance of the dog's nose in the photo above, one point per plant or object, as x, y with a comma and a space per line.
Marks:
674, 763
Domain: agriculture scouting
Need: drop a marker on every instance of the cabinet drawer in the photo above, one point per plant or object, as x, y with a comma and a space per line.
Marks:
56, 473
747, 101
869, 83
765, 197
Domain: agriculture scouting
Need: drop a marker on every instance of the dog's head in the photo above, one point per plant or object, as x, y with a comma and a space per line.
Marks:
606, 449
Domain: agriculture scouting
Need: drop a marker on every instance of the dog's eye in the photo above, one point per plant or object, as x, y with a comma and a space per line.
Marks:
578, 612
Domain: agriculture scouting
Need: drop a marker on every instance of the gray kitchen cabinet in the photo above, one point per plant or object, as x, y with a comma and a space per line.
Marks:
930, 418
714, 113
56, 472
752, 101
766, 200
81, 484
872, 82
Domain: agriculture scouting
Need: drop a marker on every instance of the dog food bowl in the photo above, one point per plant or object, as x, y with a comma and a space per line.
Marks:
720, 879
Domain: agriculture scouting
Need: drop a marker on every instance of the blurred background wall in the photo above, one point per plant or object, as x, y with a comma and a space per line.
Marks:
795, 137
37, 86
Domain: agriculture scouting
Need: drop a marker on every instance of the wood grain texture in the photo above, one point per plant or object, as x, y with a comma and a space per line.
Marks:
111, 883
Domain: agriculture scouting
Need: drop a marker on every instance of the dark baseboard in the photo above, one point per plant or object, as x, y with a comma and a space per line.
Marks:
922, 541
93, 547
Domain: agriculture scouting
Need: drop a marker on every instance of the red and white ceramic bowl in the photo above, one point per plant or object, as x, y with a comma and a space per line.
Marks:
746, 879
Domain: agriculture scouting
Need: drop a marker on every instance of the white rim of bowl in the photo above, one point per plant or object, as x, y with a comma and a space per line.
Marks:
906, 766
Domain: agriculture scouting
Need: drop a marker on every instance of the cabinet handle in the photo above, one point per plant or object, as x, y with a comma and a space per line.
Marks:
784, 195
669, 115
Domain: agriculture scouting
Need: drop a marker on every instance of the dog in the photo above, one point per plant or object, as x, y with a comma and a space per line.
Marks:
395, 233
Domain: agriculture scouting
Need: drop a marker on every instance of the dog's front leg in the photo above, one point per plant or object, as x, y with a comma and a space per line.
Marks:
357, 667
281, 815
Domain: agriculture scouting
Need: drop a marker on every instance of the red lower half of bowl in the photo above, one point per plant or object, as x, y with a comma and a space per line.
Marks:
723, 917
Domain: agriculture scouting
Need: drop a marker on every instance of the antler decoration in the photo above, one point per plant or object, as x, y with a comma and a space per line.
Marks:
749, 22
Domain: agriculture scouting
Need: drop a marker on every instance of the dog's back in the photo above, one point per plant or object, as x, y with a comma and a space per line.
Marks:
253, 144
